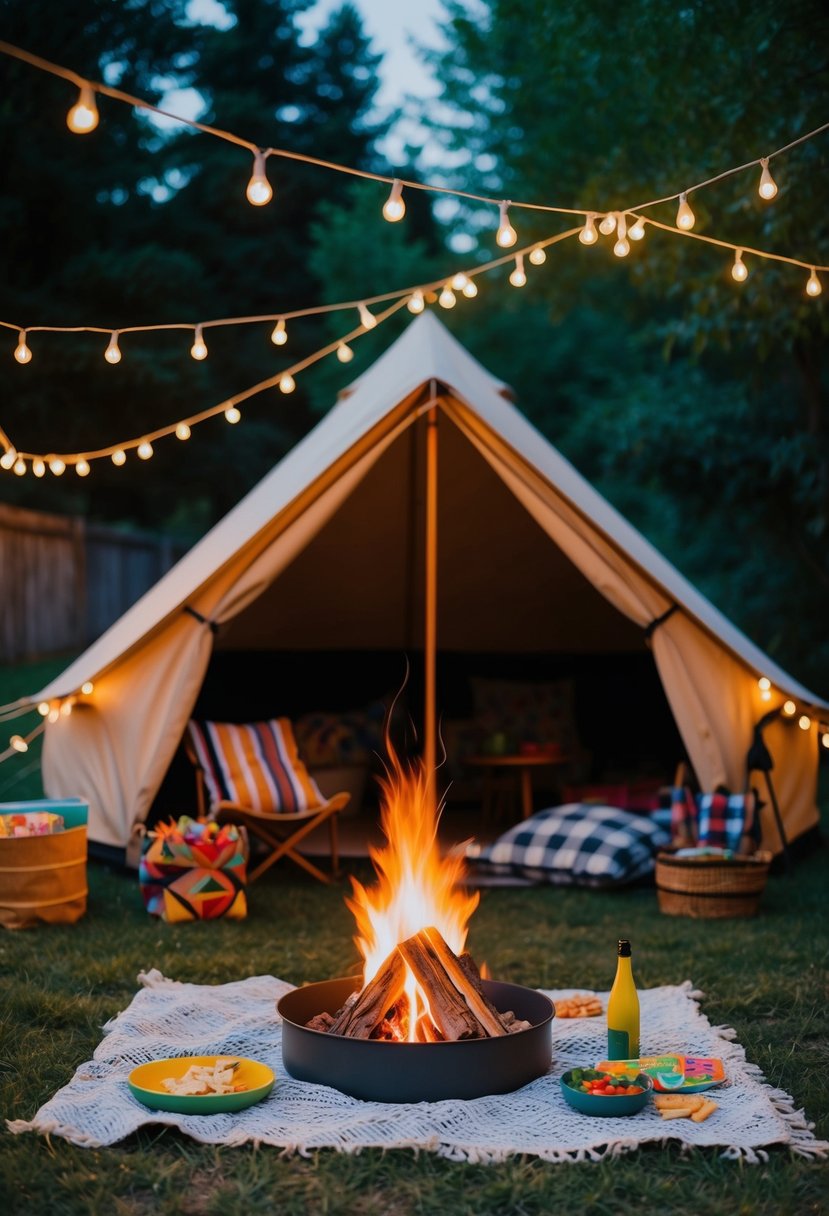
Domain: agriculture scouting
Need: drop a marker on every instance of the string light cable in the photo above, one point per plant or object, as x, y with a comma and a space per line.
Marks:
83, 118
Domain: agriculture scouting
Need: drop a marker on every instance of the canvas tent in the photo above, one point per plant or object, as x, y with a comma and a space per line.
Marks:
324, 551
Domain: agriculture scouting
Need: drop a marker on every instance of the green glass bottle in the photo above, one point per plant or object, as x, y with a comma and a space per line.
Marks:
623, 1010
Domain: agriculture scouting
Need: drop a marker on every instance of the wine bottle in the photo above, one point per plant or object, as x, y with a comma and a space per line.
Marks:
623, 1010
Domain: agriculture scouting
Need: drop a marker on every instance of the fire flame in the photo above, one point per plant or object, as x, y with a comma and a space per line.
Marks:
416, 887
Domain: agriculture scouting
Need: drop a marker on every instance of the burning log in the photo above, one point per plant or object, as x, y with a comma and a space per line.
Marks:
358, 1019
457, 1007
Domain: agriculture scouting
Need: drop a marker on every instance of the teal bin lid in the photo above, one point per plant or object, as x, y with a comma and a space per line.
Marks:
75, 811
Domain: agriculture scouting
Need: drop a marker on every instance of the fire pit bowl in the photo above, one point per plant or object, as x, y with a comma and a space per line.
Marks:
379, 1071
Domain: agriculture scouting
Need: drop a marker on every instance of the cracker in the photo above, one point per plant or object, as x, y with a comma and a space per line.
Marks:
708, 1107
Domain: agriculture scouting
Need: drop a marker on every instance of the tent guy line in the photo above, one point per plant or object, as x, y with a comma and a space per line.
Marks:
83, 117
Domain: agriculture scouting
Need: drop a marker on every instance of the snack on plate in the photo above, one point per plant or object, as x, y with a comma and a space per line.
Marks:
684, 1106
584, 1005
601, 1084
200, 1080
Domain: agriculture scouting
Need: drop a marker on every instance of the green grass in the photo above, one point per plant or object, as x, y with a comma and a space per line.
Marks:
766, 977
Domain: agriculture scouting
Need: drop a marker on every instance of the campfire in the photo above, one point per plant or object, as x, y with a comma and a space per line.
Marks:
420, 1023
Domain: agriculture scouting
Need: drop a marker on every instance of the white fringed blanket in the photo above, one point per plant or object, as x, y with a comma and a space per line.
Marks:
167, 1018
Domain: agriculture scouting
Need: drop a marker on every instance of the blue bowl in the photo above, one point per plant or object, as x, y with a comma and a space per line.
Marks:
610, 1106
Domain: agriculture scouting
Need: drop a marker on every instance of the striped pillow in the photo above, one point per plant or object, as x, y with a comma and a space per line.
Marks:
255, 765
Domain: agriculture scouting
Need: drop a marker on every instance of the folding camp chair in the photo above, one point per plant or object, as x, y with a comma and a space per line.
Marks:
282, 773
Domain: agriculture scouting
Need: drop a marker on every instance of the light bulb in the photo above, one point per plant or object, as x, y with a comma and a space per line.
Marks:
119, 457
21, 352
87, 688
416, 302
56, 466
287, 384
66, 707
739, 271
606, 226
259, 191
446, 299
19, 743
814, 287
470, 289
506, 234
344, 353
367, 319
764, 682
20, 466
82, 468
538, 256
38, 467
83, 117
588, 234
43, 708
637, 229
54, 714
394, 208
199, 348
144, 450
685, 217
459, 281
112, 354
182, 431
8, 458
232, 415
279, 334
765, 694
622, 247
804, 722
768, 186
824, 738
518, 277
789, 709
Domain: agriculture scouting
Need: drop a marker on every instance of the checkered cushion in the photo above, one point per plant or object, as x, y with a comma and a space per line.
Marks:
255, 764
579, 844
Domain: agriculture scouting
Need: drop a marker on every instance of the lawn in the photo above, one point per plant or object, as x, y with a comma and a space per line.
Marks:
766, 977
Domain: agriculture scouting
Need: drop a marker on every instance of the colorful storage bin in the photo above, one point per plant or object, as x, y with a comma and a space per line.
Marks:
43, 878
194, 870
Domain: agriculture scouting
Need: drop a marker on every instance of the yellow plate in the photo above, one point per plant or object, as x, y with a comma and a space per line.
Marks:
147, 1085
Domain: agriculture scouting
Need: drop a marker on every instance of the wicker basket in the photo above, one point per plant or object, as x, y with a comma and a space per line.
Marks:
710, 888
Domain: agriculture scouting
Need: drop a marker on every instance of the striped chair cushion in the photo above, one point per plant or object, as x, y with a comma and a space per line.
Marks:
255, 765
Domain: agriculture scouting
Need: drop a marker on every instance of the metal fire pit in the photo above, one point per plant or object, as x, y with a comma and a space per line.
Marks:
380, 1071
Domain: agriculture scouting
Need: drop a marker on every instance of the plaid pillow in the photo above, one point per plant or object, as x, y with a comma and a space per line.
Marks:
579, 844
724, 819
255, 765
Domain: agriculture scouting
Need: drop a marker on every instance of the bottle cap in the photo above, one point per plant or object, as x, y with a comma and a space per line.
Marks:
624, 948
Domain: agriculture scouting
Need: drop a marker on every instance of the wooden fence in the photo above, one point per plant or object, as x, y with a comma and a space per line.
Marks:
63, 581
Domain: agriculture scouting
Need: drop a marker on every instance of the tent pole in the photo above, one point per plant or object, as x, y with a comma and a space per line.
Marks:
430, 639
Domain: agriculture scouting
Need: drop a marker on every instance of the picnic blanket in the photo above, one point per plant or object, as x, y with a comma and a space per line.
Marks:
168, 1018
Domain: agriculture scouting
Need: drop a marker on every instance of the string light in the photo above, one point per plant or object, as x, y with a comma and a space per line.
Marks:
459, 281
518, 278
199, 348
287, 384
506, 235
87, 688
8, 458
112, 354
764, 684
447, 298
814, 286
144, 450
259, 191
233, 415
21, 352
606, 226
538, 255
470, 289
804, 722
66, 707
824, 738
685, 218
20, 466
279, 334
82, 468
637, 229
344, 353
182, 431
83, 117
394, 208
19, 743
43, 708
54, 714
622, 246
789, 709
416, 302
38, 467
767, 188
57, 466
367, 319
119, 457
739, 271
588, 234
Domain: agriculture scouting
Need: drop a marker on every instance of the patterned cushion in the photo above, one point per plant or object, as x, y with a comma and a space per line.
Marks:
255, 765
578, 844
